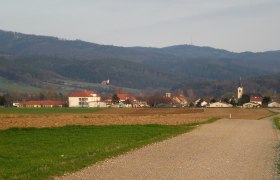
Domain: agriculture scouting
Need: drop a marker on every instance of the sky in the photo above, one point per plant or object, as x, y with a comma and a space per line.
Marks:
234, 25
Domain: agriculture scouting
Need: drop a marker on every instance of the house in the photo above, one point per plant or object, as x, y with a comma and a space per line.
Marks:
105, 82
125, 97
141, 104
200, 103
274, 104
16, 104
168, 94
256, 99
179, 100
219, 105
40, 104
251, 105
127, 100
85, 99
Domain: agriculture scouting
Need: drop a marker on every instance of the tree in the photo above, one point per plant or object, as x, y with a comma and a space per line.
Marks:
245, 98
8, 100
156, 100
265, 101
3, 101
213, 100
226, 100
115, 99
191, 104
42, 96
233, 102
127, 101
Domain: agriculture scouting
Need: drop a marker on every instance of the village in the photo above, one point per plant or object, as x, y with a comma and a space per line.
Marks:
91, 99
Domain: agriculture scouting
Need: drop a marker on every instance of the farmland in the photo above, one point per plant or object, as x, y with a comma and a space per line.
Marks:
40, 143
173, 116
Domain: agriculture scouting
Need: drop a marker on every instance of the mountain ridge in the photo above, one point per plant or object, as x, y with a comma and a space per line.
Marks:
132, 67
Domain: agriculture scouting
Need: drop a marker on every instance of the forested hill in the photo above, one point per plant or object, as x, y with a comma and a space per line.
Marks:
31, 59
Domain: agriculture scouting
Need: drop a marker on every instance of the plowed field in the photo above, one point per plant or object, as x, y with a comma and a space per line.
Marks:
129, 116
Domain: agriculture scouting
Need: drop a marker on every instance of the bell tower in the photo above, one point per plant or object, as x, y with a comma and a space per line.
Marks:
240, 89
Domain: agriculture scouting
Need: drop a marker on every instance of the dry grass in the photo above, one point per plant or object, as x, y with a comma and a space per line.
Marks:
129, 116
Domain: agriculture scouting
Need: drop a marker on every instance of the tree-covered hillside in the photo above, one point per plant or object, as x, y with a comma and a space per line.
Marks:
32, 60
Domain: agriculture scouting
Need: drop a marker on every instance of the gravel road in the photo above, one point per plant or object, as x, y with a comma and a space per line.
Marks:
226, 149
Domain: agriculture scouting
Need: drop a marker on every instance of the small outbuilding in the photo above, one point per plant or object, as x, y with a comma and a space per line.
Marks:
220, 105
251, 105
274, 105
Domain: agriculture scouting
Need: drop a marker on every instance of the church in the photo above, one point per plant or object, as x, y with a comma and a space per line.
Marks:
240, 90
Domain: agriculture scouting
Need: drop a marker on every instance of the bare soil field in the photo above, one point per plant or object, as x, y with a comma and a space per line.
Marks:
113, 116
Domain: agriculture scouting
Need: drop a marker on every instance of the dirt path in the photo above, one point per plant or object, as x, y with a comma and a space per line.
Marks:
226, 149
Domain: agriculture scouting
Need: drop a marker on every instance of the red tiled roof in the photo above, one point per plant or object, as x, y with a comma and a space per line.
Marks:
43, 102
82, 94
256, 98
123, 97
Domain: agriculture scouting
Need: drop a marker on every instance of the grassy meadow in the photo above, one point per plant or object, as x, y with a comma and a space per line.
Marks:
31, 153
6, 85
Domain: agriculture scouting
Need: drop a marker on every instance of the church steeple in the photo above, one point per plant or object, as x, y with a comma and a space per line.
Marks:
240, 83
240, 89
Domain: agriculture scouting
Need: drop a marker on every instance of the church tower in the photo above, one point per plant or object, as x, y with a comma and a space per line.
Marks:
240, 89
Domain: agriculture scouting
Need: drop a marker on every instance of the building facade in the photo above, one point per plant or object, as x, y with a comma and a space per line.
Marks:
39, 104
85, 99
220, 105
274, 105
240, 90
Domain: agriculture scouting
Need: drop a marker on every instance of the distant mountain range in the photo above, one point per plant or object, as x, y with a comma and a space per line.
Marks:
39, 61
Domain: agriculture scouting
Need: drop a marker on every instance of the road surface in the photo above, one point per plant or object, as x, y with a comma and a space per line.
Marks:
226, 149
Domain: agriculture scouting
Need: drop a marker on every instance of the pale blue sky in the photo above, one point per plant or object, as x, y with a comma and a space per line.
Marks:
235, 25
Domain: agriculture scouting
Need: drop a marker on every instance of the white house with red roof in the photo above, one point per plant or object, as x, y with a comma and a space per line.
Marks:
124, 97
127, 97
257, 99
85, 99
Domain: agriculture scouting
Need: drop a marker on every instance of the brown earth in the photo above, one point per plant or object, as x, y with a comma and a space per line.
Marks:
129, 116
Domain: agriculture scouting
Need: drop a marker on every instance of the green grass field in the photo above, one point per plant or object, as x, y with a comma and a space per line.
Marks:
6, 85
32, 153
47, 110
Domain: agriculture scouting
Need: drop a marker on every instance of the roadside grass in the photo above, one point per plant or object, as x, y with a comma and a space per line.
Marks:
277, 124
31, 153
211, 120
47, 110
